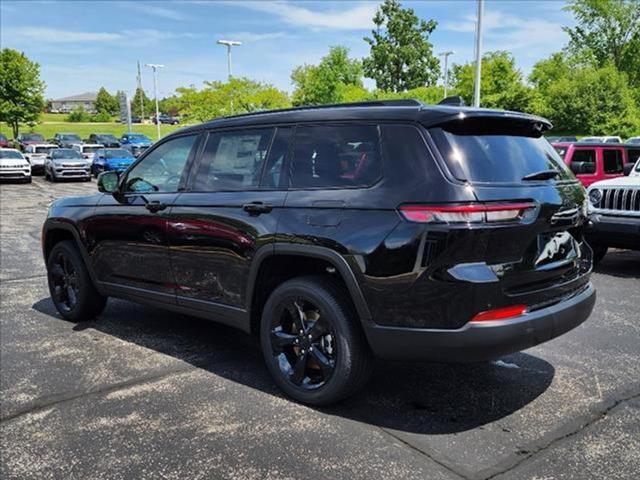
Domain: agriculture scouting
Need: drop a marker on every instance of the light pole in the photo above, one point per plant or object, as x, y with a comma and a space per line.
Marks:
229, 44
476, 81
446, 69
155, 67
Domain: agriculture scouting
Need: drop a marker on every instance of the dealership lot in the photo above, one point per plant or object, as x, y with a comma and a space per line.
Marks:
143, 393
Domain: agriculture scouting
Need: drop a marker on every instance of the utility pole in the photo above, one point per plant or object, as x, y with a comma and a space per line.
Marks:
446, 69
155, 67
229, 44
478, 73
141, 94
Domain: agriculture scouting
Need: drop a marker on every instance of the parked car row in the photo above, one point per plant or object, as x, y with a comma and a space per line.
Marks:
56, 163
594, 139
135, 143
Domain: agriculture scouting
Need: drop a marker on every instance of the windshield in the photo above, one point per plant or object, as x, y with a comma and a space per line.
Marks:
493, 157
70, 137
32, 137
44, 149
90, 149
117, 153
139, 138
66, 153
110, 138
3, 138
10, 154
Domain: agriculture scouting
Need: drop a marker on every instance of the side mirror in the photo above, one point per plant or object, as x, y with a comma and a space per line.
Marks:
628, 167
108, 182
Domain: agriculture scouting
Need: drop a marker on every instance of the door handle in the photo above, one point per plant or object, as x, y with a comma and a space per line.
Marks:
256, 208
155, 206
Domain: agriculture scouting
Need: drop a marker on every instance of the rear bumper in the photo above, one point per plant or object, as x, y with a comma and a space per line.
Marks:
483, 340
614, 231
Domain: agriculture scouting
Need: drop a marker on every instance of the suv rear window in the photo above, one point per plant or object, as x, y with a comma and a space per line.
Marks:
336, 156
496, 156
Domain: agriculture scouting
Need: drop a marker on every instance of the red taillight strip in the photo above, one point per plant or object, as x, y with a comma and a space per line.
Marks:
425, 213
500, 313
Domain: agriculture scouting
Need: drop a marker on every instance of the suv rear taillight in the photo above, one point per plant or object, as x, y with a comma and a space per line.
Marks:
468, 213
500, 313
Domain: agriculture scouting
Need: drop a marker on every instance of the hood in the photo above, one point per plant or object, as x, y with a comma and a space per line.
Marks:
617, 182
69, 160
5, 162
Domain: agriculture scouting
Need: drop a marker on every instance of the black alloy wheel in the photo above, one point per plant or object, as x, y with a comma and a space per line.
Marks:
64, 279
302, 343
312, 341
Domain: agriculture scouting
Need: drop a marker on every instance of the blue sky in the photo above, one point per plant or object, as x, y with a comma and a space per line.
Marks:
84, 45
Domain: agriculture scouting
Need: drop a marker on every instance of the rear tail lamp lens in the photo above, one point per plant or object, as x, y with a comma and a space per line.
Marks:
500, 313
469, 213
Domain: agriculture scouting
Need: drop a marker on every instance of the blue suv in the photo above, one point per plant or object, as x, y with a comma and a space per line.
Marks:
111, 159
136, 143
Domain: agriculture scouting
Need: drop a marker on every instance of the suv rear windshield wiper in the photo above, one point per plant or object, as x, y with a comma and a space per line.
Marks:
542, 175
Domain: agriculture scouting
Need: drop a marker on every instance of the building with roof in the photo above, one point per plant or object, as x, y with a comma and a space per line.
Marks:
68, 104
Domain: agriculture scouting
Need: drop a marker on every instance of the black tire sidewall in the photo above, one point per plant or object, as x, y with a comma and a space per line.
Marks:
86, 295
337, 314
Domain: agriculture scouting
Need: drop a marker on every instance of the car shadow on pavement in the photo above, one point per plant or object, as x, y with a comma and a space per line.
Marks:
620, 263
424, 398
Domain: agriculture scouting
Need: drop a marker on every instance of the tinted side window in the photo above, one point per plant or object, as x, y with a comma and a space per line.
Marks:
272, 177
160, 171
336, 156
612, 161
633, 154
588, 156
233, 160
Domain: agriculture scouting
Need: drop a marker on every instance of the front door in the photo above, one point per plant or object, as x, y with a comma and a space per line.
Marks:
231, 209
127, 235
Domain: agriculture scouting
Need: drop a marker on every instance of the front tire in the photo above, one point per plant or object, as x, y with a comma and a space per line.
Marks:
72, 291
312, 342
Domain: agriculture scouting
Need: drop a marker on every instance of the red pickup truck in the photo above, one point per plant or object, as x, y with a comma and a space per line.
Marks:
592, 162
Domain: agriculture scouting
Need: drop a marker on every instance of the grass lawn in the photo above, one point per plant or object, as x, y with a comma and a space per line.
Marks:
50, 127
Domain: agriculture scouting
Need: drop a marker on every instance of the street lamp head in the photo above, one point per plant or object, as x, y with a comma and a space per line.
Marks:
447, 53
229, 43
153, 65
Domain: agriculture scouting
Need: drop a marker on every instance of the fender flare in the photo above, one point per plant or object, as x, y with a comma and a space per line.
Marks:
54, 224
313, 251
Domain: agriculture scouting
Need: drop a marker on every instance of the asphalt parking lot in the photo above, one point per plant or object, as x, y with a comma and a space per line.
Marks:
142, 393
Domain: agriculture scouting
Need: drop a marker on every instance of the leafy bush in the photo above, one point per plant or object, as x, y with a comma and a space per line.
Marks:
78, 115
101, 117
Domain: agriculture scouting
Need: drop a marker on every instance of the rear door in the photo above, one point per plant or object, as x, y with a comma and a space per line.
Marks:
236, 193
612, 162
542, 255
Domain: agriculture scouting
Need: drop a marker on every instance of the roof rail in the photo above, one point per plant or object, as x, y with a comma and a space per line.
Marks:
402, 102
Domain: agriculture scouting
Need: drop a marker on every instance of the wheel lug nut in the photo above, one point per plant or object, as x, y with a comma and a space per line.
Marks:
309, 337
311, 349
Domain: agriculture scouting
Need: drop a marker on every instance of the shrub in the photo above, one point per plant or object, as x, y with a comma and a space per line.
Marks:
78, 115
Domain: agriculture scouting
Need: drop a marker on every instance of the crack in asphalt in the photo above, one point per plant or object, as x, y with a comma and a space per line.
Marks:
570, 429
450, 468
53, 400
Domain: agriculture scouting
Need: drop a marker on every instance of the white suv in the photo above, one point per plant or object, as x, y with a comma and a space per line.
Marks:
36, 154
13, 165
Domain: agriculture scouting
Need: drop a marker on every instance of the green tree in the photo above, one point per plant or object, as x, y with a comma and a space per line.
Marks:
142, 108
330, 81
106, 103
501, 85
401, 56
21, 90
238, 95
608, 31
593, 101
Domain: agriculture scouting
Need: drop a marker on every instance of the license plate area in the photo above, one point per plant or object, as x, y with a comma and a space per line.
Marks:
556, 249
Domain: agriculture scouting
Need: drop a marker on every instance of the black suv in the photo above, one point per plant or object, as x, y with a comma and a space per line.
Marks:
338, 234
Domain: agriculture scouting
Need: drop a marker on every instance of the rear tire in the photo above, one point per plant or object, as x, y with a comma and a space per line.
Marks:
312, 341
599, 251
72, 291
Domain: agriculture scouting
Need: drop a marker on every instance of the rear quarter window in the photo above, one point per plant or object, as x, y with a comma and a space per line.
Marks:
336, 156
612, 161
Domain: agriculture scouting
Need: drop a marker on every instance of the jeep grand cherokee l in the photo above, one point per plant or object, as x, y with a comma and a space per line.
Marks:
339, 234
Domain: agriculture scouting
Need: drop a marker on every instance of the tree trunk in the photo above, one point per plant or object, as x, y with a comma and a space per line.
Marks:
15, 126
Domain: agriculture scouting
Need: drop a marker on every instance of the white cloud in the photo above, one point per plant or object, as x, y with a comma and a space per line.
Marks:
55, 35
249, 37
357, 17
148, 8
